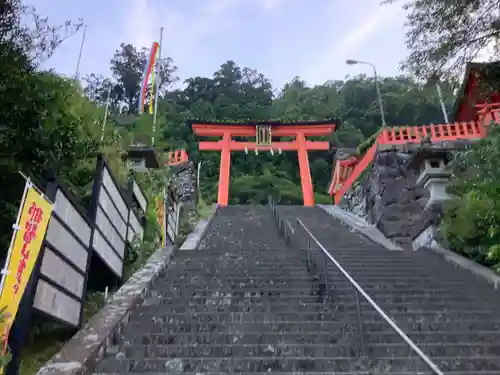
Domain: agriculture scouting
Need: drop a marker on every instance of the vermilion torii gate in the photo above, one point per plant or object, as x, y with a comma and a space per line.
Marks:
264, 134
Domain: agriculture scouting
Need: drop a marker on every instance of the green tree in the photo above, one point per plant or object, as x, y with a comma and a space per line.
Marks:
472, 222
443, 36
128, 65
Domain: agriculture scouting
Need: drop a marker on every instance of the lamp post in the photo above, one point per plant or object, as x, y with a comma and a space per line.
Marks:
435, 81
379, 95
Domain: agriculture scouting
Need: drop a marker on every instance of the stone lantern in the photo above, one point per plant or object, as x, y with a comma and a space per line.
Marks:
434, 172
140, 158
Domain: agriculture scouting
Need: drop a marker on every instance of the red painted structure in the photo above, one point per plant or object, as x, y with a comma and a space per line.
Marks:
177, 157
474, 114
264, 142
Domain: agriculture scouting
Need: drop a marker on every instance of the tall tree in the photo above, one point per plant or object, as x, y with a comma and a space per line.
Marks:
445, 35
127, 66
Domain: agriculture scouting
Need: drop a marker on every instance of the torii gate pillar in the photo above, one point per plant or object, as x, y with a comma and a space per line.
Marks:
225, 170
264, 132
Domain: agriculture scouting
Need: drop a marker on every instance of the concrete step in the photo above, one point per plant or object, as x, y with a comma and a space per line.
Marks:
226, 299
336, 297
159, 325
291, 349
289, 364
154, 307
333, 277
383, 337
240, 292
314, 373
234, 297
381, 291
241, 351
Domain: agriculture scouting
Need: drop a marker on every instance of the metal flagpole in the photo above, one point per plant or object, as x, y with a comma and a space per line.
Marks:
158, 71
105, 114
77, 73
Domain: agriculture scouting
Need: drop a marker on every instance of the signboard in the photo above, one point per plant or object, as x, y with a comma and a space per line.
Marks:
61, 287
111, 220
264, 135
33, 217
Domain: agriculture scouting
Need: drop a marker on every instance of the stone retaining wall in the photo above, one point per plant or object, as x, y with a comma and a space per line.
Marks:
388, 197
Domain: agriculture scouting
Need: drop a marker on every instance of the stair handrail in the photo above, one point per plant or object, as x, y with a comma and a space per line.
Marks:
430, 364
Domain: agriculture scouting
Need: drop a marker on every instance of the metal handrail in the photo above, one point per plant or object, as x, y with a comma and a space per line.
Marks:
432, 366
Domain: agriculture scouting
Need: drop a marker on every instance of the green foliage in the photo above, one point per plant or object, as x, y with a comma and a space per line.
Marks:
472, 222
6, 357
443, 36
363, 147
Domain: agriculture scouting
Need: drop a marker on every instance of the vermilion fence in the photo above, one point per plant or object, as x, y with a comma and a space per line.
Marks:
177, 157
347, 171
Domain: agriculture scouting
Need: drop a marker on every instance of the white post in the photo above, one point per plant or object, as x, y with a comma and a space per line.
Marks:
105, 114
198, 181
177, 217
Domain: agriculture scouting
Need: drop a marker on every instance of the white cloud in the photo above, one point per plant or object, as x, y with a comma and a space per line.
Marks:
270, 5
374, 21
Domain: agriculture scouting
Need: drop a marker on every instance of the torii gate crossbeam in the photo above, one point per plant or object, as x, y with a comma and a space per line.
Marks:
265, 131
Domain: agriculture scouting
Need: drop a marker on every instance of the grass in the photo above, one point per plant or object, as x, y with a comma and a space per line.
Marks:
48, 338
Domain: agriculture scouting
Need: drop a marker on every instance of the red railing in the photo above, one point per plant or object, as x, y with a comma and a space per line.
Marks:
488, 114
177, 157
345, 174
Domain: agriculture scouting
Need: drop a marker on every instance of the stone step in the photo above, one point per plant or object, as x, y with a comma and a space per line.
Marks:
382, 291
313, 373
232, 298
241, 351
288, 364
382, 337
334, 296
291, 349
227, 300
242, 284
341, 282
153, 307
187, 291
333, 277
158, 326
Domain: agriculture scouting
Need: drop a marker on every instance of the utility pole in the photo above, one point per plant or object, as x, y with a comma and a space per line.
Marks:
77, 73
106, 113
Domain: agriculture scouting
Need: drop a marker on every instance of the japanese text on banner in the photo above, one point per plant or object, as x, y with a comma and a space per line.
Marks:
26, 246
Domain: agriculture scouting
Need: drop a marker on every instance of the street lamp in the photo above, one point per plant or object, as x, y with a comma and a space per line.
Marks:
379, 96
435, 81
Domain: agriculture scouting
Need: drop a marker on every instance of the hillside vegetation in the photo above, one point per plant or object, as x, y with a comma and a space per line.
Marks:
49, 122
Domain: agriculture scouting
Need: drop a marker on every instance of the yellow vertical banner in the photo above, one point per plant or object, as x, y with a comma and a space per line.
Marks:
29, 232
160, 216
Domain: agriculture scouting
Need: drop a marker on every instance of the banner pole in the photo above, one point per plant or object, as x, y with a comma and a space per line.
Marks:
15, 228
165, 216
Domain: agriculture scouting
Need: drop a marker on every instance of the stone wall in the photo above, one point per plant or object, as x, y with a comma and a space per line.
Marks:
388, 197
183, 183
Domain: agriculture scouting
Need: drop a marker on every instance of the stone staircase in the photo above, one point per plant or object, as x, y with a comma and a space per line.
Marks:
245, 302
451, 314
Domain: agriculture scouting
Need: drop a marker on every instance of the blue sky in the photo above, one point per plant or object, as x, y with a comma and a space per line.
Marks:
280, 38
